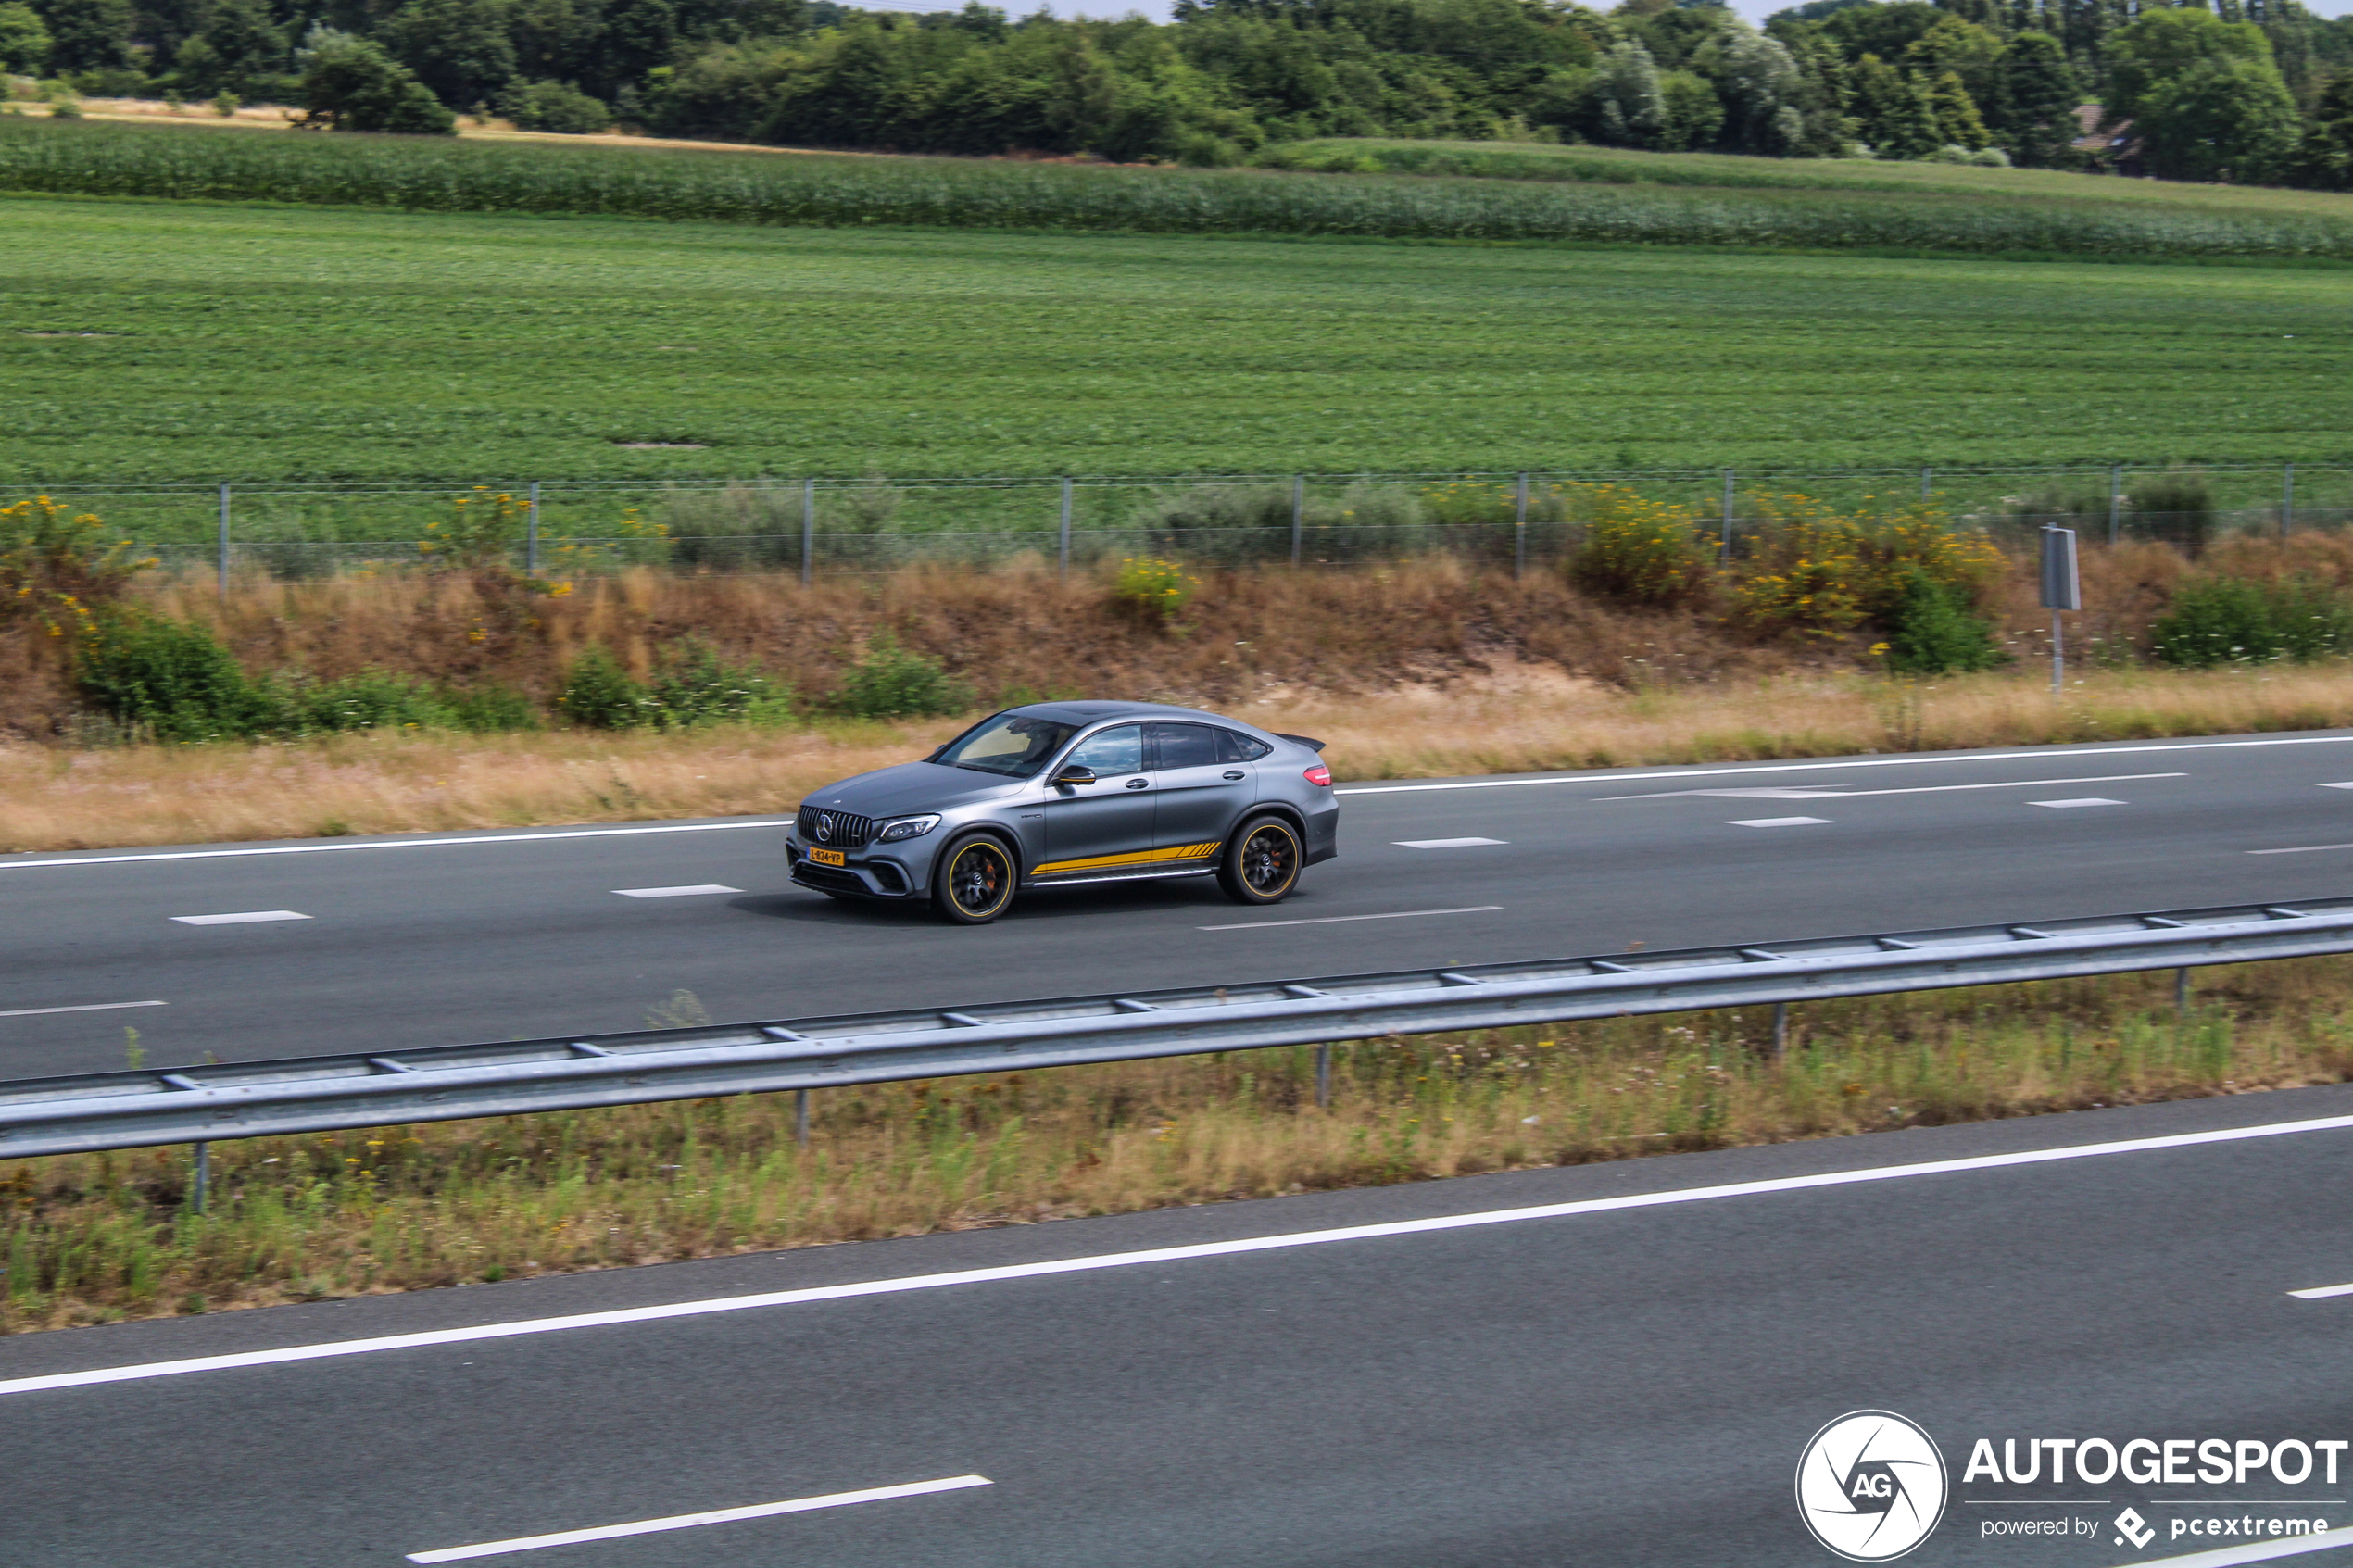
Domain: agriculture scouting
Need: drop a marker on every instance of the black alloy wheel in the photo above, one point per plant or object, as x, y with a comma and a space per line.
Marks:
1262, 862
975, 882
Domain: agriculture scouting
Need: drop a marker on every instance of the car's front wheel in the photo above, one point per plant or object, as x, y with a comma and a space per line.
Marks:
1262, 862
973, 882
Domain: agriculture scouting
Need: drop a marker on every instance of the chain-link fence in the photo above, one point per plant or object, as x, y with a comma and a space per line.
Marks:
833, 526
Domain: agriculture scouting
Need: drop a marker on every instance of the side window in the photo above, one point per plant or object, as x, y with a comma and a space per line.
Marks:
1117, 750
1232, 747
1183, 745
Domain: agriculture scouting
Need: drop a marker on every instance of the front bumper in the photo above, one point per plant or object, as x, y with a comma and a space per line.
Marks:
864, 875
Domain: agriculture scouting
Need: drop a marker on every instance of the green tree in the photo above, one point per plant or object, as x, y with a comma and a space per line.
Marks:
1694, 114
351, 84
1624, 106
2325, 161
460, 49
554, 105
1958, 121
24, 41
2228, 119
1970, 52
1894, 113
2035, 107
87, 34
238, 45
1761, 87
2162, 44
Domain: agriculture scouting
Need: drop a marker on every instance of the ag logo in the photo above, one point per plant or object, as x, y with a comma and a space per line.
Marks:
1870, 1485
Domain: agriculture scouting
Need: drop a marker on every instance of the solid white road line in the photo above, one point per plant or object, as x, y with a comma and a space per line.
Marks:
2301, 849
2347, 784
1781, 822
2063, 805
689, 1521
247, 918
1835, 794
2323, 1292
2228, 1556
1853, 763
86, 1006
674, 891
1342, 920
1443, 842
1160, 1255
389, 844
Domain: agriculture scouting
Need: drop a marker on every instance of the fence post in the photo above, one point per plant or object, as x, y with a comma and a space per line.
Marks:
1298, 517
1928, 478
531, 535
1065, 550
2287, 501
1519, 530
808, 530
2116, 503
1727, 551
224, 540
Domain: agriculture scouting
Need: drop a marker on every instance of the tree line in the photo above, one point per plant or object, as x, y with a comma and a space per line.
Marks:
2244, 91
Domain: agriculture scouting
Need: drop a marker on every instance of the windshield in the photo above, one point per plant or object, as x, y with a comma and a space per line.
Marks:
1010, 744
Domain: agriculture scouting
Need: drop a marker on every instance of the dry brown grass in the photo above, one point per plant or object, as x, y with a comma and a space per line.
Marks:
99, 1237
1515, 719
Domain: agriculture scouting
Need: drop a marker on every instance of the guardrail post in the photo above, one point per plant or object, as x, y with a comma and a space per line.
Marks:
530, 535
2287, 501
1780, 1030
1065, 567
1519, 530
1298, 517
1324, 1076
2181, 991
224, 540
203, 1172
801, 1117
808, 530
1725, 552
2115, 503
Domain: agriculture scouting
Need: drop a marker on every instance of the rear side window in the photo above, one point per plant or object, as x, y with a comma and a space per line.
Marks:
1232, 747
1184, 745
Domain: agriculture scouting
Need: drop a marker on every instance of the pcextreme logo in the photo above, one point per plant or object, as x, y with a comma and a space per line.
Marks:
1872, 1485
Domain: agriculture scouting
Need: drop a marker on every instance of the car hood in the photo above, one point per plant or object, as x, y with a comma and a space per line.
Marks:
911, 787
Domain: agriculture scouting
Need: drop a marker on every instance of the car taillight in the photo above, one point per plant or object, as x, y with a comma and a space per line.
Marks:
1320, 776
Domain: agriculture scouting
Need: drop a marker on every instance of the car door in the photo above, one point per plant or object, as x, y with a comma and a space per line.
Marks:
1107, 826
1205, 787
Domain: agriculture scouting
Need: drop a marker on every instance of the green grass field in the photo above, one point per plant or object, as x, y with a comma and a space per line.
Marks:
154, 340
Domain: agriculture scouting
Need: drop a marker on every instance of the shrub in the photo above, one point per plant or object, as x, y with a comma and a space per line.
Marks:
2218, 621
598, 693
1637, 551
1154, 587
488, 709
698, 687
173, 680
1932, 631
2176, 506
1822, 574
226, 103
59, 566
482, 533
889, 682
351, 84
554, 105
373, 699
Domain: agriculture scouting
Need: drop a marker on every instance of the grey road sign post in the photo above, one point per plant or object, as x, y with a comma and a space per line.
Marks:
2062, 589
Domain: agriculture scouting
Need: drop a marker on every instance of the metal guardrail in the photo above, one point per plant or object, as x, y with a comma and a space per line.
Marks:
89, 1112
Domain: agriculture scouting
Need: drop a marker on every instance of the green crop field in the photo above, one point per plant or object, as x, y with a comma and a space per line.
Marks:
153, 340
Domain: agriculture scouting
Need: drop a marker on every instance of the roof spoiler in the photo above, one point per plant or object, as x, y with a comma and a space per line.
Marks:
1308, 741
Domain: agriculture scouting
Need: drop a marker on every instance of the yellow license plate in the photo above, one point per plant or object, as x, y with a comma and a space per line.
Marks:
826, 857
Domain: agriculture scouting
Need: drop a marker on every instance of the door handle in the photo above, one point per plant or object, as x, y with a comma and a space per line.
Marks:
1140, 783
1236, 774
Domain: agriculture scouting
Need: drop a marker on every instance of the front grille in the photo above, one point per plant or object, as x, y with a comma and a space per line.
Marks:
834, 830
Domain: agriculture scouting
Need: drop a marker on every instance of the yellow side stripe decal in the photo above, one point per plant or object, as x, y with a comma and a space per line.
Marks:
1150, 856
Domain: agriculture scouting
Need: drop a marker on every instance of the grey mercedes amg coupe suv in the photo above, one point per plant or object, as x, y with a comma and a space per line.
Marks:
1073, 792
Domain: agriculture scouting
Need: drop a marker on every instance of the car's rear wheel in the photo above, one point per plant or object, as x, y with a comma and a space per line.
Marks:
1262, 862
975, 880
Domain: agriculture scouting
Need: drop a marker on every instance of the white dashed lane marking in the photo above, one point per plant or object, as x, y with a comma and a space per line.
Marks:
2063, 805
85, 1007
700, 887
1780, 822
247, 918
1342, 920
1443, 842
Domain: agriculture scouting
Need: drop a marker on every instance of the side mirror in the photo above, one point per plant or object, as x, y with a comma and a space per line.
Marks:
1075, 774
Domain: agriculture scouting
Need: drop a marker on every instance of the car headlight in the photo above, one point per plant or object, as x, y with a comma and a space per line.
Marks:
907, 827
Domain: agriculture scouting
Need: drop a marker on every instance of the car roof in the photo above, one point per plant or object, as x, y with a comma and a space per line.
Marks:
1083, 713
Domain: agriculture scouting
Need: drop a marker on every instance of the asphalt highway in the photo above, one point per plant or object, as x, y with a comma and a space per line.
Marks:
1630, 1383
503, 935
